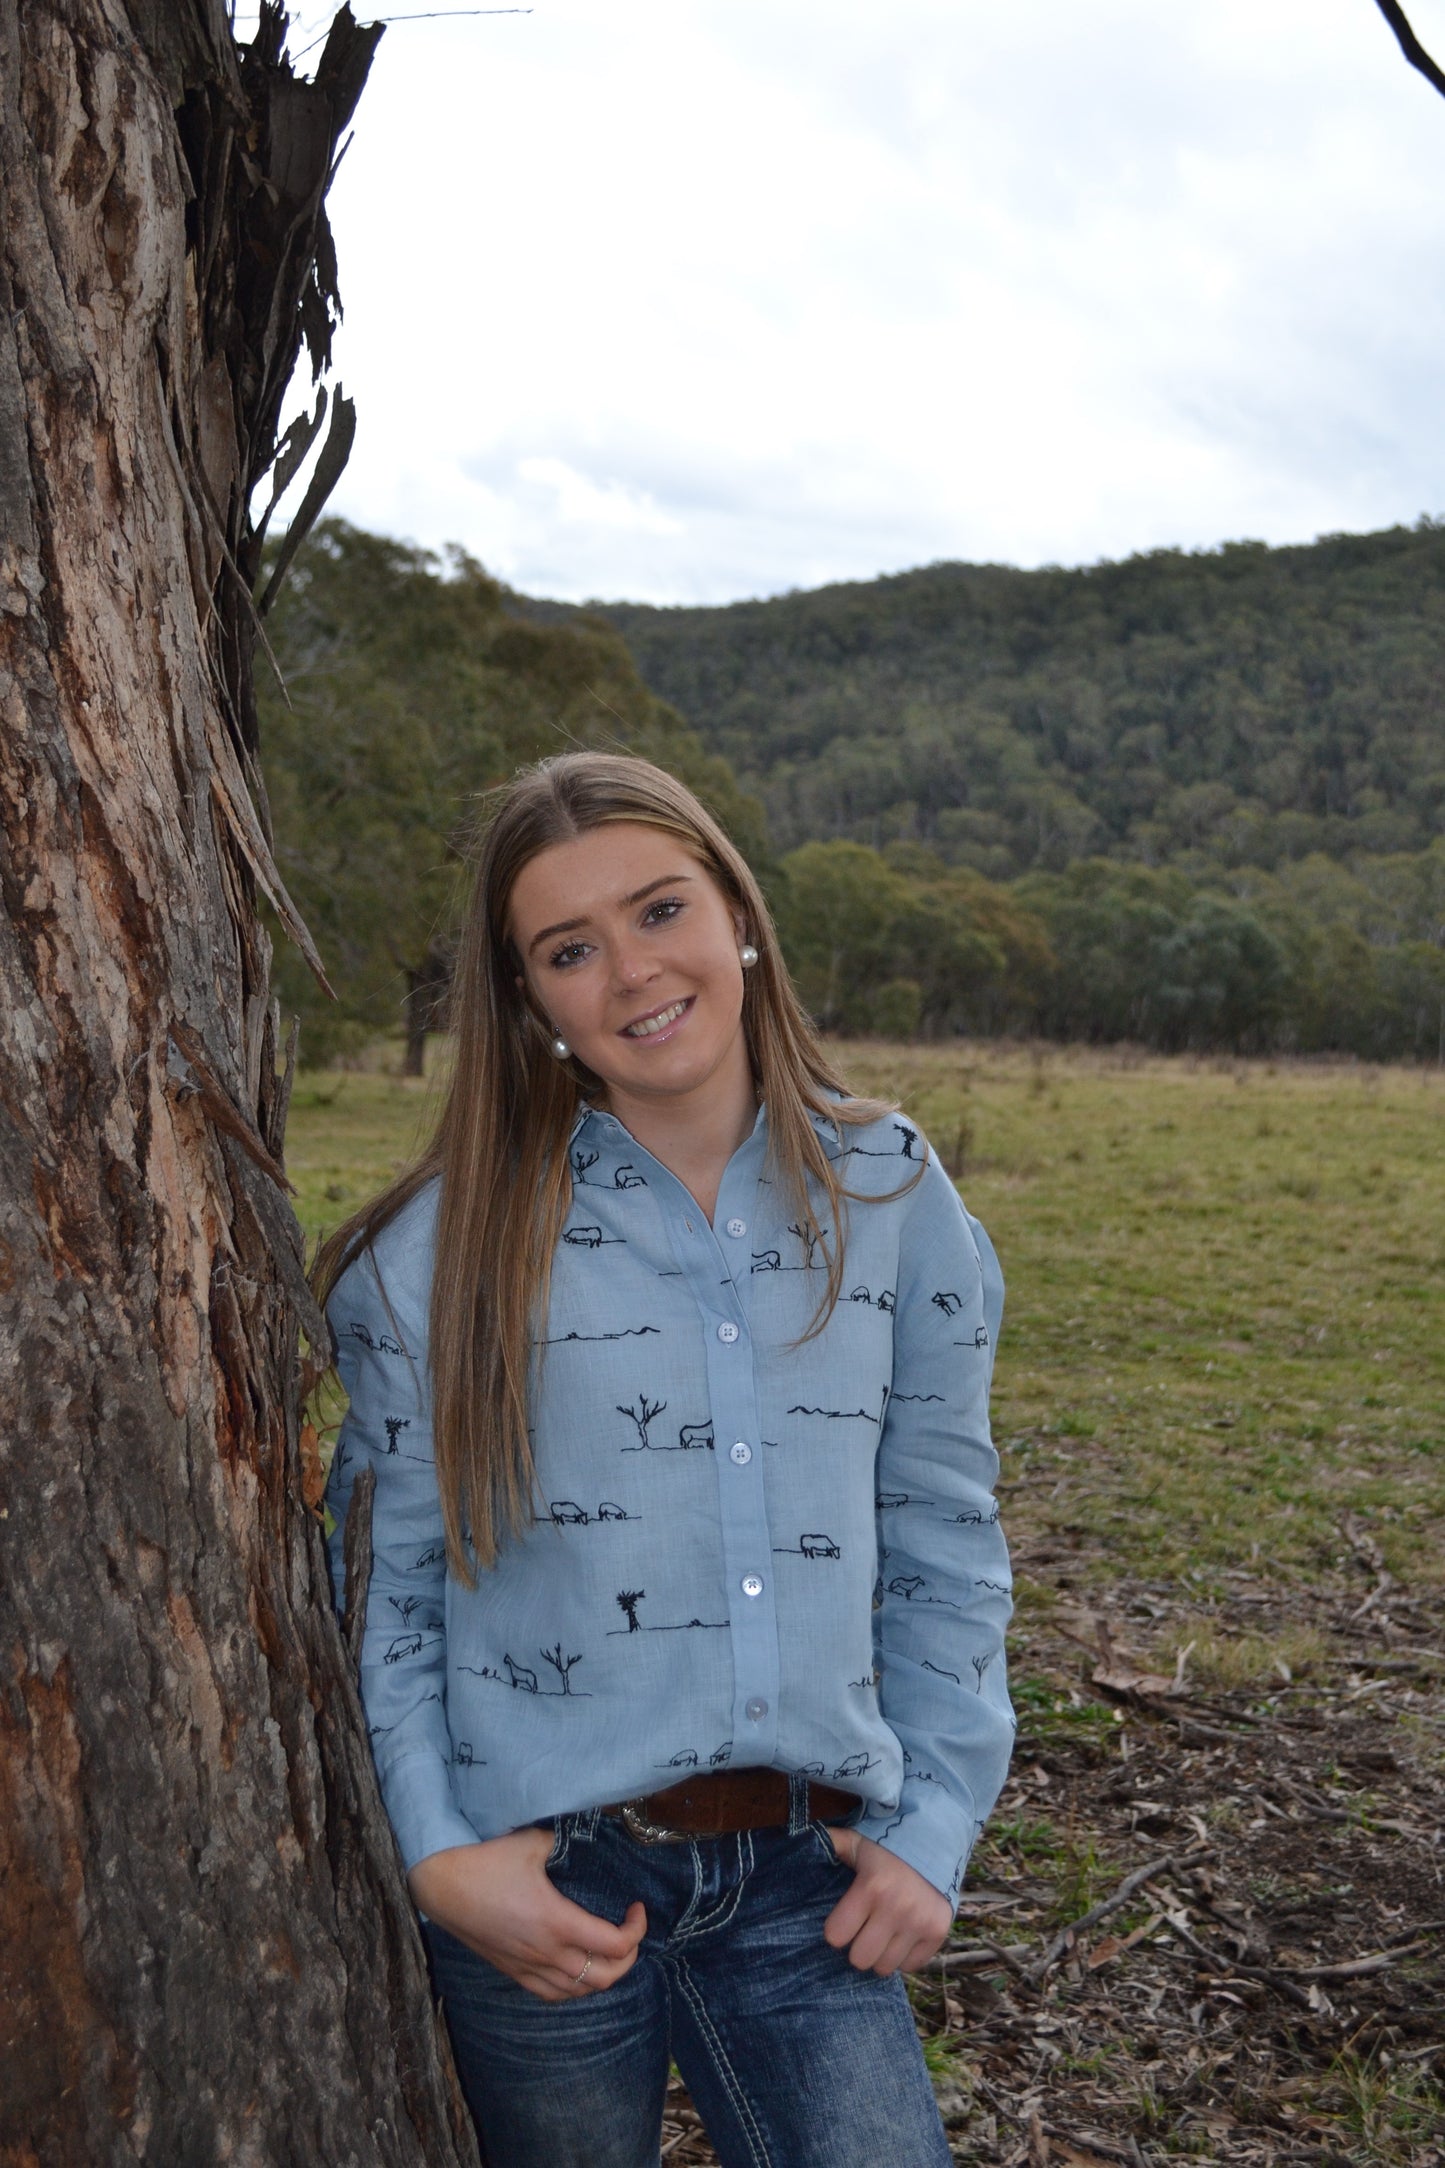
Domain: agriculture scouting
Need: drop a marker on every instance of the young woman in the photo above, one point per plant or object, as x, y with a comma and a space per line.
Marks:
683, 1656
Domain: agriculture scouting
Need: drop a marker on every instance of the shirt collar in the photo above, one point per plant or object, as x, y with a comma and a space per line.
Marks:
825, 1124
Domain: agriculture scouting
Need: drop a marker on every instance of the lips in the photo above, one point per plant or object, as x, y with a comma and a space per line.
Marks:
648, 1027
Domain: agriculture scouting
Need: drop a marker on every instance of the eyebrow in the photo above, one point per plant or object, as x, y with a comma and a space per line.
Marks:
639, 895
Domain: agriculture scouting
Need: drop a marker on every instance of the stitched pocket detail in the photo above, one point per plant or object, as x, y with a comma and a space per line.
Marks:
822, 1837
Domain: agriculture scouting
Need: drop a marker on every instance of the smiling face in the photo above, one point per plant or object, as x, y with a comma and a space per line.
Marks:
630, 951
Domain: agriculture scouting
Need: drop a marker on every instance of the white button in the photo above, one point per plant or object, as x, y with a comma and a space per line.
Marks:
737, 1227
757, 1709
752, 1584
727, 1333
741, 1453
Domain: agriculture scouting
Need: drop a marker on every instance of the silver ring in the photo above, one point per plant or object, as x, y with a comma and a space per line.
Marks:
584, 1972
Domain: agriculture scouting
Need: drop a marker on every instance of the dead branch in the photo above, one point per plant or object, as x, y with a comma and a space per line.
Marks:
1067, 1936
1410, 45
1266, 1975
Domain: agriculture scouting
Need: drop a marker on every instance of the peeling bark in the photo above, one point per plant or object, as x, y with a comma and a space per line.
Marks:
207, 1952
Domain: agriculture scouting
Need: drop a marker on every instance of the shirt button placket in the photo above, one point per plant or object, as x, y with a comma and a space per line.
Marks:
754, 1633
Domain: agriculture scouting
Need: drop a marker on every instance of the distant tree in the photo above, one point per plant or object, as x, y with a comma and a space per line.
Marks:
1219, 979
1411, 979
1108, 925
837, 907
895, 1010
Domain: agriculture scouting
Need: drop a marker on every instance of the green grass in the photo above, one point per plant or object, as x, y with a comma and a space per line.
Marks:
1226, 1297
348, 1132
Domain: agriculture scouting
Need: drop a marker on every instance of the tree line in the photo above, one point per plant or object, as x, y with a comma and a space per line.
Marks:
1319, 957
1309, 918
1228, 707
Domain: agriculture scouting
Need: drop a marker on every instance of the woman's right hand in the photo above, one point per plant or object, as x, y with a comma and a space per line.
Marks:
496, 1898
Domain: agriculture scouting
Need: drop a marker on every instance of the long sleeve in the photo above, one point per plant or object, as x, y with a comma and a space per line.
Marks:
378, 1313
944, 1588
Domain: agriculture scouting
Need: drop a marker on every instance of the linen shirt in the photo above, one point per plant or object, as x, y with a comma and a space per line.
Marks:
751, 1549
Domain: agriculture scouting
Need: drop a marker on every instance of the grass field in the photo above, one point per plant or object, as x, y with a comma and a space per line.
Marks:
1220, 1404
1226, 1311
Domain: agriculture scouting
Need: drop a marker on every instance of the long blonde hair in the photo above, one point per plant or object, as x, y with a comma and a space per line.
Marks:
500, 1144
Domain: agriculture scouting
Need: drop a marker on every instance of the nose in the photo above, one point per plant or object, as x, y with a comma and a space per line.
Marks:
631, 965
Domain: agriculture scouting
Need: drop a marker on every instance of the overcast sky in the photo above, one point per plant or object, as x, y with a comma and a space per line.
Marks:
687, 300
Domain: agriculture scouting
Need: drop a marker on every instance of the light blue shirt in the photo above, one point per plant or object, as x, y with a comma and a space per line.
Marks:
748, 1553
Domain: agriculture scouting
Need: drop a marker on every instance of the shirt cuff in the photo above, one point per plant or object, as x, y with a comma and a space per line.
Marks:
934, 1836
419, 1801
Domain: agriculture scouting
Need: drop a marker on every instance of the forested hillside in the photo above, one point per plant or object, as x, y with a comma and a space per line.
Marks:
1243, 706
1195, 801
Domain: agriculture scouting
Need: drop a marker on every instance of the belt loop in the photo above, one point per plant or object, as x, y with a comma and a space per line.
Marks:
587, 1823
797, 1803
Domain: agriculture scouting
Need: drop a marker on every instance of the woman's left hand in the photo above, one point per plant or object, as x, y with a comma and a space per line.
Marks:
891, 1919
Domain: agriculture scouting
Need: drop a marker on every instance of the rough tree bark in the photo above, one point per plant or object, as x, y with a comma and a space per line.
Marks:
206, 1949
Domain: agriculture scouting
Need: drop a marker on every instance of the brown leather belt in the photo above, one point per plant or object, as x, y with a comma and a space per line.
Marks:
718, 1802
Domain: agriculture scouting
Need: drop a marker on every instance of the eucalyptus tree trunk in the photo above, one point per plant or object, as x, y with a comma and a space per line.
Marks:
206, 1948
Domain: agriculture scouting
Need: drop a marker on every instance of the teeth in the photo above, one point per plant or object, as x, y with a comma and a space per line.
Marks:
650, 1024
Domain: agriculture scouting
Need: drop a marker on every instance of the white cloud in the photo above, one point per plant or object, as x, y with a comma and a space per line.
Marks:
713, 297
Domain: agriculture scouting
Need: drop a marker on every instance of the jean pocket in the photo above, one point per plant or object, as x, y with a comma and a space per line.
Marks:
822, 1836
560, 1836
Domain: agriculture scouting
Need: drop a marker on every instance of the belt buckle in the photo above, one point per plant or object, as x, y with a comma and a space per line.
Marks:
637, 1825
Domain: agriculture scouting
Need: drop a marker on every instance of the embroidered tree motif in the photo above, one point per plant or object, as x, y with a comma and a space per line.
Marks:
581, 1161
561, 1664
810, 1236
394, 1425
627, 1600
646, 1411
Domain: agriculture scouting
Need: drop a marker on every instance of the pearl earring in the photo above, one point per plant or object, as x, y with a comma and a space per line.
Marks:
747, 956
560, 1047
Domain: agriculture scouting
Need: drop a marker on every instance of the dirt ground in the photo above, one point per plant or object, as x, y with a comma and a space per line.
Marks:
1202, 1926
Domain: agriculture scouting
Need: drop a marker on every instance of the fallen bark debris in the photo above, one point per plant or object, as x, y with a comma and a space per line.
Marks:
1269, 1864
1068, 1936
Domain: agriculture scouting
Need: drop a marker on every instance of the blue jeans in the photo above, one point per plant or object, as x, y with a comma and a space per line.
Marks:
793, 2058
